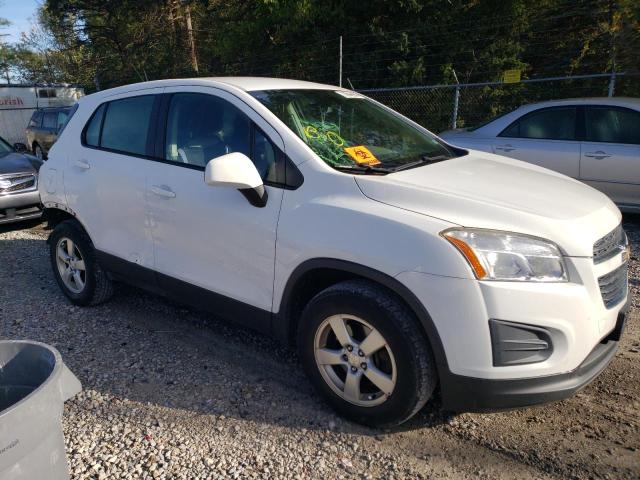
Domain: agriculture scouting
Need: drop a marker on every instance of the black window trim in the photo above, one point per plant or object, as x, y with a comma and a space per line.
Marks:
598, 105
577, 126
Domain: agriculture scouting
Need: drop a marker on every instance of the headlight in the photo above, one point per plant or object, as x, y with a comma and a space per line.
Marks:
495, 255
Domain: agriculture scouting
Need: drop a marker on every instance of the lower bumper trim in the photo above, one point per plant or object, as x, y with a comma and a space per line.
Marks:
11, 215
468, 394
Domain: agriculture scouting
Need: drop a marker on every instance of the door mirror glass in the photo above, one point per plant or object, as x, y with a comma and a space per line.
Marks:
236, 170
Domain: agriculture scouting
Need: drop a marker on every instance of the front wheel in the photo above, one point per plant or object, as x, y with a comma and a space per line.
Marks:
38, 152
366, 354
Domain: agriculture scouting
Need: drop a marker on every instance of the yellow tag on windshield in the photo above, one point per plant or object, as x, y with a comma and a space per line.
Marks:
362, 155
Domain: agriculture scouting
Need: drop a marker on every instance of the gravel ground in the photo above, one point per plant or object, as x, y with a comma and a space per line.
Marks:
174, 393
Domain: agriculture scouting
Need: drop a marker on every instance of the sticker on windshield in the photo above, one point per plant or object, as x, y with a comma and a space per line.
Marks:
362, 155
348, 94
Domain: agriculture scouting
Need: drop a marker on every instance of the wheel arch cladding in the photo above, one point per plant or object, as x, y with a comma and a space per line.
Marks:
55, 216
313, 276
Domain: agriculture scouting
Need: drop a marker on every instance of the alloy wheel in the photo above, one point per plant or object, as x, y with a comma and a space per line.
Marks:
71, 266
355, 360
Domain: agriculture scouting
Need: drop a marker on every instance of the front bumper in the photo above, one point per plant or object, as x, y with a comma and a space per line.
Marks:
468, 394
17, 207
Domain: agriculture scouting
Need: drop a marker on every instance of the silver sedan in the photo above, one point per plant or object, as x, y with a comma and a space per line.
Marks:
595, 140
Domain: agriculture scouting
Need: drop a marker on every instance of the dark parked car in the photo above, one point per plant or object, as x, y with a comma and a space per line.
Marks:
19, 197
44, 127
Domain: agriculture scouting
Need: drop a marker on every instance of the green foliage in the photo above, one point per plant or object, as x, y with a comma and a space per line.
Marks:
387, 43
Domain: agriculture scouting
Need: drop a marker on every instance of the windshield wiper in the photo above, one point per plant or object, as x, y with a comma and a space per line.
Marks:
424, 160
361, 169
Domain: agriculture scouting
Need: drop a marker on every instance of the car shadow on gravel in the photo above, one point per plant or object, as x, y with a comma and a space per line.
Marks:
145, 348
13, 227
220, 368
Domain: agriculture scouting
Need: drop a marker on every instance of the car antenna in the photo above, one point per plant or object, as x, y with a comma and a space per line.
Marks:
351, 84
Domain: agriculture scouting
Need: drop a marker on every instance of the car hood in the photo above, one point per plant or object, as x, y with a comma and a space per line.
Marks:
488, 191
18, 163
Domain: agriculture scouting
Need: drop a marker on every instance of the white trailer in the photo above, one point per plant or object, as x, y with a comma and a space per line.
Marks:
18, 102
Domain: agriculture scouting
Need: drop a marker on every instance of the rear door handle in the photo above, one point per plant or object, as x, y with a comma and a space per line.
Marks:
599, 155
83, 164
505, 148
162, 191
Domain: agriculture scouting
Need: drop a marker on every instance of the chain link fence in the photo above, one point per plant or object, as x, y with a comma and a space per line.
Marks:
441, 107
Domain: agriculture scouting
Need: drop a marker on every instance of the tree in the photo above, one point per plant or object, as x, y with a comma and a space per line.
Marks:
387, 43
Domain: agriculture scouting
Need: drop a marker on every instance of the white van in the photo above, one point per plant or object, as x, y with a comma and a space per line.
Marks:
393, 261
19, 102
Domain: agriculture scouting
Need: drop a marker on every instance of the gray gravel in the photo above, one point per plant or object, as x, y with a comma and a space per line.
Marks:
174, 393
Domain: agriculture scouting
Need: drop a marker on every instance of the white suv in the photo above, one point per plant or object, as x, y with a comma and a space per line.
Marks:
394, 261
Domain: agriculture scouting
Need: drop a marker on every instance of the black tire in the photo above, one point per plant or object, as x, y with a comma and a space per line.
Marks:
42, 156
98, 286
416, 373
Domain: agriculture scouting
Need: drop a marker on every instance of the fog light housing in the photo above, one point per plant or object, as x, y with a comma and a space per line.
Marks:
518, 344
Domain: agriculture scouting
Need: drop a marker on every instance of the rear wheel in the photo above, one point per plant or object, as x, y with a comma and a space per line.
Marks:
75, 267
366, 354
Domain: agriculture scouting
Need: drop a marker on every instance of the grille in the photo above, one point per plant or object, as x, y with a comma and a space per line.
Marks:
608, 246
614, 286
17, 183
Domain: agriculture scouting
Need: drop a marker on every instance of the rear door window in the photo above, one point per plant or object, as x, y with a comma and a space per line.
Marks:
50, 120
126, 124
612, 125
558, 123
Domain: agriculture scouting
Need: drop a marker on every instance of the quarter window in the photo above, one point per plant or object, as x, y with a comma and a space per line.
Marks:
201, 127
126, 124
92, 131
612, 125
36, 120
264, 157
549, 124
61, 120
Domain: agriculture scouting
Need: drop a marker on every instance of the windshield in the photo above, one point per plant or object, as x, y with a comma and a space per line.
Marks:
347, 130
5, 148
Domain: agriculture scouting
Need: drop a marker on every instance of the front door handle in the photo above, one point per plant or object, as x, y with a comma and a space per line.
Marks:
505, 148
599, 155
162, 191
83, 164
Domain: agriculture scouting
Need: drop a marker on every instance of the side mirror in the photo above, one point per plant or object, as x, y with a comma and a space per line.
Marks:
20, 147
236, 170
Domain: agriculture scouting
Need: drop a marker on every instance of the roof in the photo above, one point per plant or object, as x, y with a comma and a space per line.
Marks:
39, 85
247, 84
250, 84
618, 101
